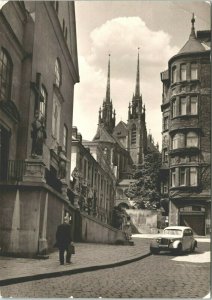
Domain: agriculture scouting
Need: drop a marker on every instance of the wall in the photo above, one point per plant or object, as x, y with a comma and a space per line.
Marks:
28, 215
94, 231
146, 221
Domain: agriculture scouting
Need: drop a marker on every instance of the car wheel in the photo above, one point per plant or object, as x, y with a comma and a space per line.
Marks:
194, 247
154, 251
178, 250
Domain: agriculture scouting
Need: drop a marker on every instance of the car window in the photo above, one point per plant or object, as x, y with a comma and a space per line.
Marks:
173, 231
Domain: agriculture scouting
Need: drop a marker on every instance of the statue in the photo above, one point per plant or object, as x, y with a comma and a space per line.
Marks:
75, 174
38, 135
62, 163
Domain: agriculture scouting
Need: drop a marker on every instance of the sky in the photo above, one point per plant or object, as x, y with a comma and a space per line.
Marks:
159, 28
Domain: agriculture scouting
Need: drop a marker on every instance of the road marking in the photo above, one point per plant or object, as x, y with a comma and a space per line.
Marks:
195, 257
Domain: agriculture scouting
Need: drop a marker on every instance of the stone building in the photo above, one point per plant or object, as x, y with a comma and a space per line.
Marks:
38, 70
186, 110
93, 182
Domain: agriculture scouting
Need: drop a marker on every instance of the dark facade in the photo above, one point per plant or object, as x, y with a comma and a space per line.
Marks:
186, 109
38, 70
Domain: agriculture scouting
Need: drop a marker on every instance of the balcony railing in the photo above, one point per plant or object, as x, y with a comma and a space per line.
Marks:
13, 171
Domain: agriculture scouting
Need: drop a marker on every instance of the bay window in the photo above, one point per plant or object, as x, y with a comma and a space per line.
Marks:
193, 105
194, 72
192, 139
183, 105
183, 72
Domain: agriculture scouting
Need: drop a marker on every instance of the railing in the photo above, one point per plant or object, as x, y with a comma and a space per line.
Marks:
13, 171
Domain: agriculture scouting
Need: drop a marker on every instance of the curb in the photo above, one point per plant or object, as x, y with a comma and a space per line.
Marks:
11, 281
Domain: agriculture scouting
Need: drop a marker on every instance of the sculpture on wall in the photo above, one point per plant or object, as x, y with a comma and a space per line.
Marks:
76, 179
62, 163
38, 135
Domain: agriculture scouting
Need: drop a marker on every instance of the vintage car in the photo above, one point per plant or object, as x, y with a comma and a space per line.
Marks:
177, 239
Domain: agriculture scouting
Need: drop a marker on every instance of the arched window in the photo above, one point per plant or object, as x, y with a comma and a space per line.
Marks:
133, 134
192, 139
58, 73
43, 103
6, 67
178, 141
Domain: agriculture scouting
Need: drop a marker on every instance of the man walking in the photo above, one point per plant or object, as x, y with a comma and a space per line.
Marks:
63, 240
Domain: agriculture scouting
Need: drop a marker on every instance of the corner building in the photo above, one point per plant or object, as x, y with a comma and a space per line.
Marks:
38, 70
186, 109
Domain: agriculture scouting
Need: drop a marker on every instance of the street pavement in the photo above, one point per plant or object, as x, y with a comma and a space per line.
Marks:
88, 257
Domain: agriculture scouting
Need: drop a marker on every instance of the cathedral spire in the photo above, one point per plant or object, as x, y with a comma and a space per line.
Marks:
108, 83
137, 87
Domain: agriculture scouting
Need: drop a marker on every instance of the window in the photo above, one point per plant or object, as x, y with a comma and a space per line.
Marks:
43, 102
183, 105
178, 141
166, 123
182, 176
65, 138
193, 176
192, 139
193, 105
133, 134
165, 155
194, 74
183, 72
56, 118
173, 177
174, 108
57, 73
174, 74
5, 75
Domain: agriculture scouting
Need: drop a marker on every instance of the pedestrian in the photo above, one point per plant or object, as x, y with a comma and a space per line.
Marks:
63, 240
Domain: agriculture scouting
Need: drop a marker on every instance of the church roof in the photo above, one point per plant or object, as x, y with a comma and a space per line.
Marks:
102, 135
120, 130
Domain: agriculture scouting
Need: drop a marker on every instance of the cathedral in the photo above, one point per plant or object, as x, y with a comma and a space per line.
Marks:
123, 145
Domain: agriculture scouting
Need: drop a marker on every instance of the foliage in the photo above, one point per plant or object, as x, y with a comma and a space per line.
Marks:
145, 191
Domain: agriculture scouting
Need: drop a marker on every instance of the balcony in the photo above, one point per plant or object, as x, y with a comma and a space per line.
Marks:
12, 172
184, 151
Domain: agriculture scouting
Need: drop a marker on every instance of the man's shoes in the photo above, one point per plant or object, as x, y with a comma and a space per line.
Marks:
69, 262
62, 263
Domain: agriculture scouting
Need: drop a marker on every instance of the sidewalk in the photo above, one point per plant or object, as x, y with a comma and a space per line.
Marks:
88, 257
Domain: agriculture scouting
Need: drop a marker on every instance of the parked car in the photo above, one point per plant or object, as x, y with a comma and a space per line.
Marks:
177, 239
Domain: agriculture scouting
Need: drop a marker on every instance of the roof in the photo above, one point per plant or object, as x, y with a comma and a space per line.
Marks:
177, 227
120, 130
192, 45
126, 181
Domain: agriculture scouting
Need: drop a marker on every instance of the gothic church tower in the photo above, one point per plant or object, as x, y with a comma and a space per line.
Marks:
137, 133
107, 117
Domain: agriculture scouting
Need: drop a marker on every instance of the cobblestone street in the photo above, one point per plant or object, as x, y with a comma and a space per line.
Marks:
157, 276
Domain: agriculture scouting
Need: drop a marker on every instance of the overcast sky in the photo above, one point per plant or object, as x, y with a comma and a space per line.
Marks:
159, 28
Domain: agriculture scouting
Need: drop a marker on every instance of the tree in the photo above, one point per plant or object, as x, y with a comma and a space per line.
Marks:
145, 191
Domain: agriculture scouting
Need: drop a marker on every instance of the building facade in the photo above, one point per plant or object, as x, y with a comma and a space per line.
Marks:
38, 70
93, 182
186, 109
